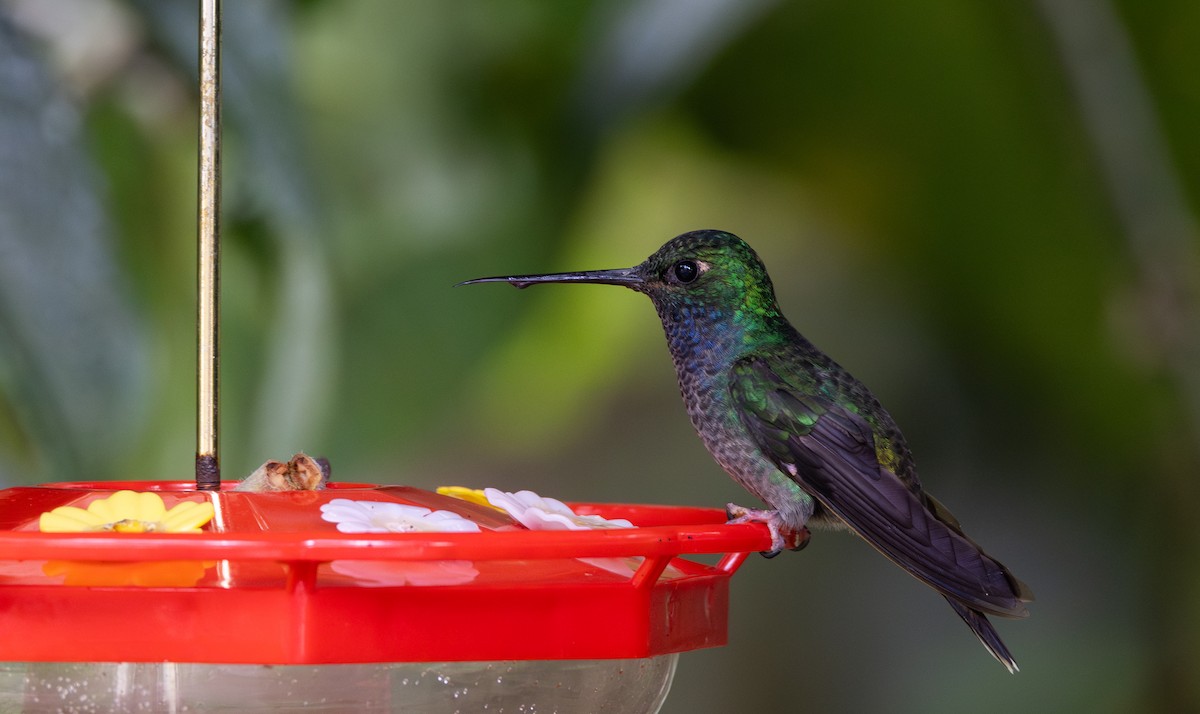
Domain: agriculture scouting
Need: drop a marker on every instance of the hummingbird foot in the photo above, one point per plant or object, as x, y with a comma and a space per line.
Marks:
783, 535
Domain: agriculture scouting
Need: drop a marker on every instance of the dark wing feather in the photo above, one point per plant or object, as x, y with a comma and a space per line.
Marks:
830, 452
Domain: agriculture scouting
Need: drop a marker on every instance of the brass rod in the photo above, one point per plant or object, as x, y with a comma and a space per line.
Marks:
208, 463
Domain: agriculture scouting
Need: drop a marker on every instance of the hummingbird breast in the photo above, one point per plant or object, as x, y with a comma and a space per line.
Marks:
704, 343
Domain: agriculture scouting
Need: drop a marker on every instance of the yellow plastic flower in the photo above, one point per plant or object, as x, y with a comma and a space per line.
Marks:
470, 495
128, 512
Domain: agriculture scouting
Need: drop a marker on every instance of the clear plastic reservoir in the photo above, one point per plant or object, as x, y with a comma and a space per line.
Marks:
627, 686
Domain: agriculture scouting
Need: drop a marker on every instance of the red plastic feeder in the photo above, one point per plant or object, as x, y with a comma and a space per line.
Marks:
272, 608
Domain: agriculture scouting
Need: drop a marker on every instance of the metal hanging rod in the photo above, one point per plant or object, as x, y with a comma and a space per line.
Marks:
208, 463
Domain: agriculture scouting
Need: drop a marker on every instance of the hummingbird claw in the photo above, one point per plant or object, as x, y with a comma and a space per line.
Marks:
783, 535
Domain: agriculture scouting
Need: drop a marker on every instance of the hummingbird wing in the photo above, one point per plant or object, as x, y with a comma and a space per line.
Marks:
829, 451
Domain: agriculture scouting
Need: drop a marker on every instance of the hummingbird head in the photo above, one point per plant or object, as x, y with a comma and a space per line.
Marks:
708, 268
711, 269
709, 288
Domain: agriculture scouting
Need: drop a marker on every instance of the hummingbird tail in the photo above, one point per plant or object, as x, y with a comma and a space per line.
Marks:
987, 634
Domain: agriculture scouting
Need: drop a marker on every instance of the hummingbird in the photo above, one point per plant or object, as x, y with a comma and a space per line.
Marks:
796, 430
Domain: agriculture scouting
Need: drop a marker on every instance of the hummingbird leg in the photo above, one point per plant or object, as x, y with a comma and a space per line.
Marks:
783, 535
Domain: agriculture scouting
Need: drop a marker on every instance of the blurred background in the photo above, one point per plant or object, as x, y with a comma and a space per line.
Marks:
986, 211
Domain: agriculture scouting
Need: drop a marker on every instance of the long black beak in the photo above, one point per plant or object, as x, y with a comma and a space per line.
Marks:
620, 276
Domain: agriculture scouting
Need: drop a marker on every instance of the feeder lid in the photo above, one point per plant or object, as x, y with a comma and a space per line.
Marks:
268, 581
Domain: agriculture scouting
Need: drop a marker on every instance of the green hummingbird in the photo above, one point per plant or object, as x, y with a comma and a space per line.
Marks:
795, 429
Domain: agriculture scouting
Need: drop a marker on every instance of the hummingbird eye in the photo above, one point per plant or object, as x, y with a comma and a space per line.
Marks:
686, 271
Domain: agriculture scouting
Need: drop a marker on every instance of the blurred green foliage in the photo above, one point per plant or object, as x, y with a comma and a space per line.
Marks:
986, 211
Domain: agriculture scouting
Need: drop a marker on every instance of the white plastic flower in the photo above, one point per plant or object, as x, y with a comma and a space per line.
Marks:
386, 517
547, 514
